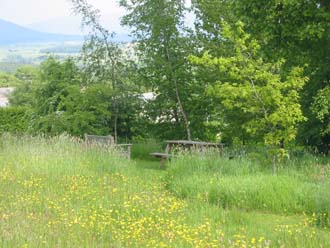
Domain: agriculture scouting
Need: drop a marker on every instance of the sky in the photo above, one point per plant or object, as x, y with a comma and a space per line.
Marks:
56, 16
25, 12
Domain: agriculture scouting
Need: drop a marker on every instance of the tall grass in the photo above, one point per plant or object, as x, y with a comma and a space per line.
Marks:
244, 184
57, 192
142, 149
58, 155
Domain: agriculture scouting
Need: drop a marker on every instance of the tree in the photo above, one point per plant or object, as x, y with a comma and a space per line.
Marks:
158, 27
321, 108
63, 104
104, 61
24, 93
296, 30
8, 80
254, 93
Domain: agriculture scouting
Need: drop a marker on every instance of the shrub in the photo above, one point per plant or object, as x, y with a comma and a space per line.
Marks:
14, 119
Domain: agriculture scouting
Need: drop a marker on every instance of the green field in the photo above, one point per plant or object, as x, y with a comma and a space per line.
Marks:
14, 56
59, 193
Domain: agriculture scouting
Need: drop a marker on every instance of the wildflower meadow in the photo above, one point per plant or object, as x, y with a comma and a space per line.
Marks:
57, 192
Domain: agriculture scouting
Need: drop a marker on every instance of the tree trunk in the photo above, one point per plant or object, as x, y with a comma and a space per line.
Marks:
178, 98
184, 115
274, 165
115, 128
114, 81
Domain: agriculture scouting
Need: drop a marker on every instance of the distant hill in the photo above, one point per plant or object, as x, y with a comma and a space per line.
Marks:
11, 33
72, 25
60, 25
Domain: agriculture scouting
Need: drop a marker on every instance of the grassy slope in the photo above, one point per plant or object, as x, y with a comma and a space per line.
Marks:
55, 193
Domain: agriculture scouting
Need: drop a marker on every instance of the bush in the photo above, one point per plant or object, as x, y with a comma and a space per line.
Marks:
14, 119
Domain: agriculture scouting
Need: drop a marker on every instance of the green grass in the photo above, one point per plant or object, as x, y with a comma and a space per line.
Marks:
14, 56
142, 150
243, 184
59, 193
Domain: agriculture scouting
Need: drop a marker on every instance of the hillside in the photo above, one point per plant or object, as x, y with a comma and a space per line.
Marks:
11, 33
72, 25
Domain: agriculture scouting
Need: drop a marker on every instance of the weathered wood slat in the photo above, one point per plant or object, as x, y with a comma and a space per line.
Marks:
193, 143
185, 144
108, 141
98, 139
160, 155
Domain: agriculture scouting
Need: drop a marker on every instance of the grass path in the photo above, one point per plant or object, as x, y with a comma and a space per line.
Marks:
242, 228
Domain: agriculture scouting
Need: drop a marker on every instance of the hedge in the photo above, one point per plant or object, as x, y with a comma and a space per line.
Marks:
14, 119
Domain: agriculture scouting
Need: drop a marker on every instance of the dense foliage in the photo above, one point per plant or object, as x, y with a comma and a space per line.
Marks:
260, 104
244, 74
8, 80
14, 120
296, 30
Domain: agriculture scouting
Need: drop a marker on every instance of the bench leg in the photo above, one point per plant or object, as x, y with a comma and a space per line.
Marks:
162, 163
129, 152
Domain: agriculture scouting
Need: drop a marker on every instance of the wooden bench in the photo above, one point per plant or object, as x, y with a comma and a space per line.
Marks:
184, 145
163, 157
108, 141
192, 145
99, 140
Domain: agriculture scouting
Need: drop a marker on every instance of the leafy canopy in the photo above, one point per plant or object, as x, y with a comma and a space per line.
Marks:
266, 104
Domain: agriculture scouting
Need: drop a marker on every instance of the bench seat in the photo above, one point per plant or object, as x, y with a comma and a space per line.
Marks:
160, 155
163, 157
